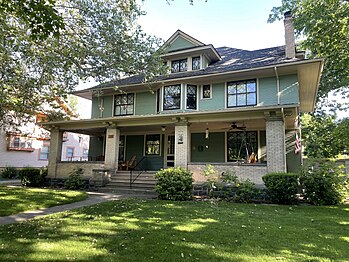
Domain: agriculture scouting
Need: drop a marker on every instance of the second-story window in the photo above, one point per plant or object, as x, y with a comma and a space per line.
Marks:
123, 104
241, 93
206, 91
172, 97
196, 63
179, 65
191, 96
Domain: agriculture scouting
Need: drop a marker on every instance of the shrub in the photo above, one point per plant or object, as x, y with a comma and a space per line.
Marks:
324, 184
282, 188
32, 177
9, 172
246, 192
174, 184
75, 180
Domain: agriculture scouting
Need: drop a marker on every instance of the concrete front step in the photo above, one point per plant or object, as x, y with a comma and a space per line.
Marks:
131, 191
127, 185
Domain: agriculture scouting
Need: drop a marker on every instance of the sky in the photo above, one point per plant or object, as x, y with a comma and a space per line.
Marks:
234, 23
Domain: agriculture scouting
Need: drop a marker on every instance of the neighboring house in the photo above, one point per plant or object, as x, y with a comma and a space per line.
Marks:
29, 146
232, 108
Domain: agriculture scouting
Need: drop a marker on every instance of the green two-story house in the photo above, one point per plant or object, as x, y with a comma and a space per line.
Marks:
232, 108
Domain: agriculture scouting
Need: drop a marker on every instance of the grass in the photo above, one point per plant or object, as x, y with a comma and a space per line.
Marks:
139, 230
14, 200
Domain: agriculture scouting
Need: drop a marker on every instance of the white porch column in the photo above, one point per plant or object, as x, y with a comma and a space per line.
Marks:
182, 145
112, 148
276, 155
55, 154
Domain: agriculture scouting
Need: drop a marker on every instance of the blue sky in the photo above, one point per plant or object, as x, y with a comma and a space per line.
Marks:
235, 23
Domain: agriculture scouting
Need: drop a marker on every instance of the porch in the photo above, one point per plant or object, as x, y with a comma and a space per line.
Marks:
223, 140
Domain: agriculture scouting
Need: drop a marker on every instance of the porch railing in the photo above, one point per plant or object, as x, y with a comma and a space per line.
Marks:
136, 171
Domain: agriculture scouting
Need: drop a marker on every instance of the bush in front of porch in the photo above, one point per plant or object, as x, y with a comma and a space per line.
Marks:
174, 184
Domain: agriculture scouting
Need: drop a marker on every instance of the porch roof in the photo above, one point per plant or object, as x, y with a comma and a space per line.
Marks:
228, 115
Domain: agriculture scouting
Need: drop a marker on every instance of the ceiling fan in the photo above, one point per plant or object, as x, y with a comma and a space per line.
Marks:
235, 126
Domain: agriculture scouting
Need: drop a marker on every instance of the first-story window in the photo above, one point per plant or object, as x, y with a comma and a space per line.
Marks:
152, 145
85, 153
122, 148
241, 93
191, 96
44, 152
123, 104
242, 145
206, 91
172, 97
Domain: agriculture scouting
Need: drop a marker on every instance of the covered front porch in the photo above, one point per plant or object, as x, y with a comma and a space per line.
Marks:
251, 143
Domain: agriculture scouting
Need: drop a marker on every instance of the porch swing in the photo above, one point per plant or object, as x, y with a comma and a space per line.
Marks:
250, 158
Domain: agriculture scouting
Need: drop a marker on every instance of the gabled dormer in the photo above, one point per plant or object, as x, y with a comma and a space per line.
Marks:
184, 53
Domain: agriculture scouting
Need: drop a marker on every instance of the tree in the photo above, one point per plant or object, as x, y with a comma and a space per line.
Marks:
324, 26
324, 136
98, 39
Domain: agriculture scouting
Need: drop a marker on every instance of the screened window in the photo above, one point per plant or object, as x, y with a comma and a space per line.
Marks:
123, 104
152, 145
191, 96
196, 63
242, 93
44, 151
241, 145
172, 97
179, 65
206, 91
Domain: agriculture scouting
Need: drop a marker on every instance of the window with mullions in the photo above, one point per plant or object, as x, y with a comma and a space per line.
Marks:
241, 93
191, 96
123, 104
172, 97
152, 145
241, 145
179, 65
206, 91
196, 63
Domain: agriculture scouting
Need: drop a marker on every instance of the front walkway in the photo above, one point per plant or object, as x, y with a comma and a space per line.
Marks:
94, 198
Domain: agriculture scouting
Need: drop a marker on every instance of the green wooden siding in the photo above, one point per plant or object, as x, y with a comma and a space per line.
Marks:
217, 101
213, 149
179, 43
267, 91
293, 161
135, 146
289, 89
107, 105
145, 103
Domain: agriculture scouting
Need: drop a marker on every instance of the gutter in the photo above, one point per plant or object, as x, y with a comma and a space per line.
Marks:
277, 85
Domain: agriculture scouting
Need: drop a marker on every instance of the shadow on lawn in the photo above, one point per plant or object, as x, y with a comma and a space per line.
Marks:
136, 230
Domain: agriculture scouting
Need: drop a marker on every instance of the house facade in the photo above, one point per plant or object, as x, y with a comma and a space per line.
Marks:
232, 108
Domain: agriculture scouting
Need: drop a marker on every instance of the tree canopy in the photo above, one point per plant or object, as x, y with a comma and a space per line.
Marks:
323, 26
46, 47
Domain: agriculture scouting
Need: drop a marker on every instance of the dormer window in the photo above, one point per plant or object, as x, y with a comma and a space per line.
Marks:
179, 65
196, 62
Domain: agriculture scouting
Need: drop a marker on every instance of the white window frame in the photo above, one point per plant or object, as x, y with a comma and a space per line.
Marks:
197, 100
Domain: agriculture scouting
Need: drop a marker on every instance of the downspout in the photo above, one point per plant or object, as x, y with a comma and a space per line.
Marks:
277, 85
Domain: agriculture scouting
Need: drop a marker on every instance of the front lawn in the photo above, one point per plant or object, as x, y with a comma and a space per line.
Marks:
139, 230
14, 200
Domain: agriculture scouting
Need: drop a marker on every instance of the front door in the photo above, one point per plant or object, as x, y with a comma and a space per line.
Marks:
170, 147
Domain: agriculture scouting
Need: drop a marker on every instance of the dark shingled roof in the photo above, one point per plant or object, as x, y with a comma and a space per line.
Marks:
232, 60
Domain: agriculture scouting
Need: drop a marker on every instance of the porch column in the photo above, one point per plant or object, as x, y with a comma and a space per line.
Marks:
276, 155
55, 154
112, 148
182, 145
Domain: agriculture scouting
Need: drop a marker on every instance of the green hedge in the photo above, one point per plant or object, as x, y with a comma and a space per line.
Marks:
32, 177
282, 188
174, 184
